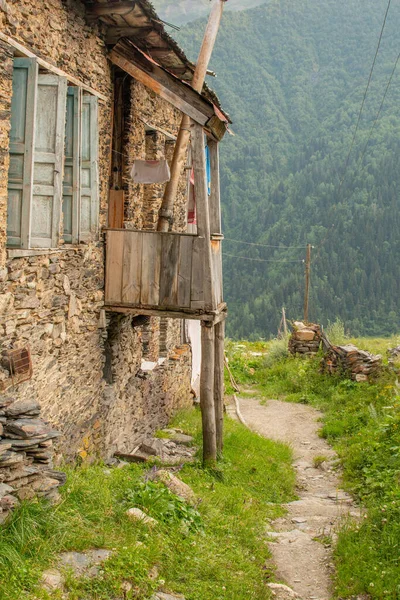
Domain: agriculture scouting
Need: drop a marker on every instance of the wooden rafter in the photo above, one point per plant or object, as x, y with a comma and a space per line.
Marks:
134, 62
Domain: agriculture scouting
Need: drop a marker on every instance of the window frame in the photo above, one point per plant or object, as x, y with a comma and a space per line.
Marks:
22, 237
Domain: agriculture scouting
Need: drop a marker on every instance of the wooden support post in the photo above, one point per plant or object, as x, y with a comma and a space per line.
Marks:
215, 196
219, 384
207, 394
307, 286
285, 331
178, 160
202, 208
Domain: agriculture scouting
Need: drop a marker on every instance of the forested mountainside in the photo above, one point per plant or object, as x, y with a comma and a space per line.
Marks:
182, 11
292, 75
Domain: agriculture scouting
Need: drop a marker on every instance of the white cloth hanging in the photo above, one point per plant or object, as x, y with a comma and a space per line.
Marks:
150, 171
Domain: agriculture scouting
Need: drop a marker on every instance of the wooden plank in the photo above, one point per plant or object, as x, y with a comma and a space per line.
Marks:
49, 67
116, 201
161, 312
215, 195
219, 383
131, 267
207, 394
197, 289
129, 58
169, 270
185, 272
114, 264
155, 233
151, 266
216, 271
202, 209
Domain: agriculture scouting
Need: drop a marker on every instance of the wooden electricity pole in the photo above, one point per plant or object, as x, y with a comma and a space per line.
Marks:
307, 290
182, 141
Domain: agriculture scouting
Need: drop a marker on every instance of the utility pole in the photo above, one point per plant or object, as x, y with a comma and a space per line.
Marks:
182, 141
307, 290
284, 321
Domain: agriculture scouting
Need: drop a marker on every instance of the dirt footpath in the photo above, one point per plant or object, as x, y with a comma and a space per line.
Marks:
300, 540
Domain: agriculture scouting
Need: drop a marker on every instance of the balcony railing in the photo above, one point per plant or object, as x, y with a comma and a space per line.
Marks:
153, 272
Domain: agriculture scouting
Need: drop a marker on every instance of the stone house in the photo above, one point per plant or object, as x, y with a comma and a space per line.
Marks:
87, 87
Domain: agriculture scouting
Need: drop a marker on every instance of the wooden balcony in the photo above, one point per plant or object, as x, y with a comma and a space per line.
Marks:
164, 274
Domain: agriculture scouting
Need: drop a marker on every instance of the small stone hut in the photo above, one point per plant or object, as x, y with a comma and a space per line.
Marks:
86, 88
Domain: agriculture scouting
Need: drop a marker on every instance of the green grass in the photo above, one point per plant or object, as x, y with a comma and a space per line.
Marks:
362, 422
214, 550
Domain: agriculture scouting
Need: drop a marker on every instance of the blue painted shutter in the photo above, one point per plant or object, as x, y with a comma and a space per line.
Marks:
20, 175
89, 197
71, 192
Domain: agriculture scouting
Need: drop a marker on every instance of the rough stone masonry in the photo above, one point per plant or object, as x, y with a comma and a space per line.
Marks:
90, 369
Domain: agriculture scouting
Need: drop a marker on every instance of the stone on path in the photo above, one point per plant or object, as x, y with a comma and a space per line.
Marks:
52, 580
282, 592
175, 485
135, 514
163, 596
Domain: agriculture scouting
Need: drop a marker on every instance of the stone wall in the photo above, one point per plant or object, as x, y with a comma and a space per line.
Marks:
88, 373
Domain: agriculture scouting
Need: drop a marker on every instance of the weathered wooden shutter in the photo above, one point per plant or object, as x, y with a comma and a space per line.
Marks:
48, 161
20, 175
71, 192
89, 169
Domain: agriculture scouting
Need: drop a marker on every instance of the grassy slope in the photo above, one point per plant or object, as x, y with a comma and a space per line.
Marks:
226, 558
362, 421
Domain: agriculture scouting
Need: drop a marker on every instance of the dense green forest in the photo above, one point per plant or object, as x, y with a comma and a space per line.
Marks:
292, 75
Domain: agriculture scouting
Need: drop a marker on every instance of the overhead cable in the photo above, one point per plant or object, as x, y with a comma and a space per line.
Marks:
365, 95
262, 259
264, 245
378, 114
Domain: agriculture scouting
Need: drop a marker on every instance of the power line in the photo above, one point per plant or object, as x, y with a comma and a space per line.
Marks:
264, 245
262, 259
365, 96
378, 114
359, 164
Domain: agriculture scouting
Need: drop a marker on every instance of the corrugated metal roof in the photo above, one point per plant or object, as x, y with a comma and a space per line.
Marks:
137, 20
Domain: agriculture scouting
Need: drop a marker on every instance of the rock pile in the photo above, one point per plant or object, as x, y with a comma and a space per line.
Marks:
26, 453
359, 365
174, 449
305, 339
394, 356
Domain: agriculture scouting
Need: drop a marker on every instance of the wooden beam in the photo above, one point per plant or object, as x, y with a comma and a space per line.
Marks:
49, 67
115, 33
215, 196
129, 58
219, 384
102, 10
202, 209
207, 395
213, 318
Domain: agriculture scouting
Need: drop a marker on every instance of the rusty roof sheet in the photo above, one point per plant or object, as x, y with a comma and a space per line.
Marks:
137, 20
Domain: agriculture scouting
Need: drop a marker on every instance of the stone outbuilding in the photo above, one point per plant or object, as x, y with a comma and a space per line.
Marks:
87, 88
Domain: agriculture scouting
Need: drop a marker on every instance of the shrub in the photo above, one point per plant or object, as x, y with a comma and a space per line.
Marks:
278, 350
335, 332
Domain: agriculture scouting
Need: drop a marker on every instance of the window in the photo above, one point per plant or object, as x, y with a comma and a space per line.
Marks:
53, 160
